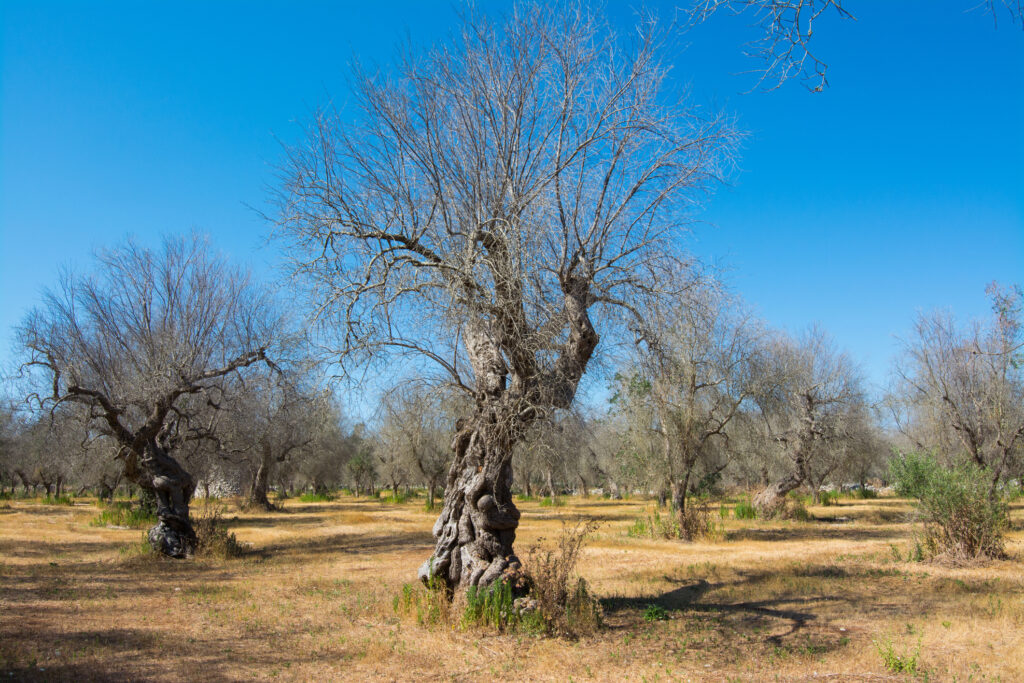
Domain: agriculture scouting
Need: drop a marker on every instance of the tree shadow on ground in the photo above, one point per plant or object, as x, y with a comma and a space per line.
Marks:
348, 544
815, 532
754, 615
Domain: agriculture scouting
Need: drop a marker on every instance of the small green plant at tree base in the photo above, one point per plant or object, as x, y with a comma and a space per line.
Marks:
864, 493
795, 508
962, 518
62, 499
316, 497
490, 606
655, 613
552, 502
430, 606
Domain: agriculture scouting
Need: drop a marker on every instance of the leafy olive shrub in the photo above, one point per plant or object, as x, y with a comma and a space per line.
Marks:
963, 518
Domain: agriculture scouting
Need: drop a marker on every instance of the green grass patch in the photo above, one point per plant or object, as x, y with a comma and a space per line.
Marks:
123, 513
315, 497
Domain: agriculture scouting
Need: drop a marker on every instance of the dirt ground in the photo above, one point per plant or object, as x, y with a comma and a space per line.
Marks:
789, 601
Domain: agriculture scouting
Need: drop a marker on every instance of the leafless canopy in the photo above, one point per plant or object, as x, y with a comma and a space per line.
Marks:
787, 26
963, 387
496, 191
495, 200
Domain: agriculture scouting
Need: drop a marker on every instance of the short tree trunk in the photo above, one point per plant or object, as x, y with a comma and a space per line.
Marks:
173, 487
770, 500
477, 525
260, 483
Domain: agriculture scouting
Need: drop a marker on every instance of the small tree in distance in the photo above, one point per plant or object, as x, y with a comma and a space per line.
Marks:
133, 342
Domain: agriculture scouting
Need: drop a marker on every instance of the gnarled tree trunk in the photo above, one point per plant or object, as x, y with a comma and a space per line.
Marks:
260, 483
173, 487
769, 501
477, 525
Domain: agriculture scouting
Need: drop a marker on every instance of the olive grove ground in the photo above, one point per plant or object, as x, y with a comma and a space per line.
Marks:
822, 600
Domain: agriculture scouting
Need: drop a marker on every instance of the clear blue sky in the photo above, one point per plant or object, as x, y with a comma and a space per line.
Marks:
900, 188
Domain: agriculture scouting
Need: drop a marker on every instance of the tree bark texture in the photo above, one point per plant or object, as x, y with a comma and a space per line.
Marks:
769, 501
173, 487
260, 483
477, 525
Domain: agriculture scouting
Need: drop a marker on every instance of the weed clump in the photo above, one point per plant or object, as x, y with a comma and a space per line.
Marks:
395, 498
963, 519
896, 661
564, 602
655, 613
213, 538
795, 508
744, 510
694, 523
429, 605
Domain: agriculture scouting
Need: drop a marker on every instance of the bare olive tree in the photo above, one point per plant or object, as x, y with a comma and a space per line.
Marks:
136, 340
695, 371
810, 392
963, 388
496, 205
416, 427
271, 417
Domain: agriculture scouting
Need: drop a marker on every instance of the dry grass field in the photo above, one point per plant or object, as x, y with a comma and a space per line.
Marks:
822, 600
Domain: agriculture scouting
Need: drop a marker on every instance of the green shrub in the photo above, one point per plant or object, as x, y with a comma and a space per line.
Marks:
394, 498
828, 498
490, 605
865, 493
124, 513
796, 508
316, 497
744, 510
551, 502
63, 499
962, 520
655, 525
655, 613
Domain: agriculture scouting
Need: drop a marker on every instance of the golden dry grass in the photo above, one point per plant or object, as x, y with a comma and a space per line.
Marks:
770, 601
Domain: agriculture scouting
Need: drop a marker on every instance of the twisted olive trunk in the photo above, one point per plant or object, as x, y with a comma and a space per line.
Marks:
769, 501
260, 483
477, 525
156, 471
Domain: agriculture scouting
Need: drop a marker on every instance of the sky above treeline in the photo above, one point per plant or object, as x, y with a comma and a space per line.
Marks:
898, 189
